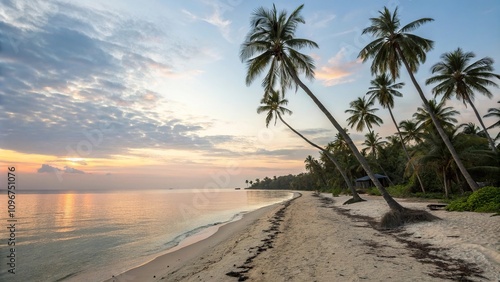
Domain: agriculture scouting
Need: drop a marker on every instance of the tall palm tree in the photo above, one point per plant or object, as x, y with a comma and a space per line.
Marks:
445, 115
393, 47
384, 89
274, 106
363, 114
411, 131
455, 76
271, 43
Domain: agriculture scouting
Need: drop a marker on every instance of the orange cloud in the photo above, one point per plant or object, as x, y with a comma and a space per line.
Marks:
338, 70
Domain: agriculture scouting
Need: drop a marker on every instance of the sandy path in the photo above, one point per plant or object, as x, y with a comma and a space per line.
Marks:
317, 239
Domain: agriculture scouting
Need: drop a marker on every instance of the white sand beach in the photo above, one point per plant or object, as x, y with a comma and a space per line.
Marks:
316, 238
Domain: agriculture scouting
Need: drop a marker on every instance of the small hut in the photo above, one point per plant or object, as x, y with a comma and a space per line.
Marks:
366, 182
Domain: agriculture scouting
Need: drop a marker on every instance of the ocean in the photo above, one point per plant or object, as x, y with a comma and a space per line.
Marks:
90, 236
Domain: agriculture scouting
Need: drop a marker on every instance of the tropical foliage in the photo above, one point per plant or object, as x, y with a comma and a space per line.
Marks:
431, 151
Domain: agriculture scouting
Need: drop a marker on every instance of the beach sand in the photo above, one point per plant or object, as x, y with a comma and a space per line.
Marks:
316, 238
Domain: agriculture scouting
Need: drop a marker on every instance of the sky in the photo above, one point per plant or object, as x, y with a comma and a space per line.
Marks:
124, 94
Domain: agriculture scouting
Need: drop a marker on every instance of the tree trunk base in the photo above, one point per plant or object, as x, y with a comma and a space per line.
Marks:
353, 200
397, 218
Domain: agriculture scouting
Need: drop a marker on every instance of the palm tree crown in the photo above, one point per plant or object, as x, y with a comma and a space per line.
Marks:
494, 112
445, 115
274, 106
411, 131
383, 89
363, 114
456, 77
271, 43
391, 38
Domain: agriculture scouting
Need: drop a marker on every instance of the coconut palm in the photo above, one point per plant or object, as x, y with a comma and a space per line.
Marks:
373, 143
273, 104
455, 76
363, 114
445, 115
271, 43
314, 168
411, 131
471, 129
494, 112
384, 89
393, 47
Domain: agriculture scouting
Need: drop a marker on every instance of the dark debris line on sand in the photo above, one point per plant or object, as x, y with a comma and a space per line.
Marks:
446, 267
267, 243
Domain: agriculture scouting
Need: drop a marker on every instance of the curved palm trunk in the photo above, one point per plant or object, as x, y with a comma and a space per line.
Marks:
492, 144
406, 151
393, 205
472, 184
355, 194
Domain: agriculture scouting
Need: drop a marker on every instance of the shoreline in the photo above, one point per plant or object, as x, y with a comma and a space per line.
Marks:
316, 238
194, 245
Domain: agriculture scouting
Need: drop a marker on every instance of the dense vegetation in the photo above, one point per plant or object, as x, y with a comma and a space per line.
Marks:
430, 155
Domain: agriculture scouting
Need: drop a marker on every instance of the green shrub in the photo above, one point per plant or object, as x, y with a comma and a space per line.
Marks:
373, 191
399, 191
459, 204
486, 199
336, 192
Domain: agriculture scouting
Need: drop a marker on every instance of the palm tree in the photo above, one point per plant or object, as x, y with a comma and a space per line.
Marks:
494, 112
246, 181
373, 143
411, 131
274, 106
314, 168
445, 115
393, 46
271, 42
456, 77
384, 89
363, 114
472, 129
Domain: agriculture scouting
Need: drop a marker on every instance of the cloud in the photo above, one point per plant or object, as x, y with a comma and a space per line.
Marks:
68, 169
216, 18
47, 169
76, 83
338, 70
321, 20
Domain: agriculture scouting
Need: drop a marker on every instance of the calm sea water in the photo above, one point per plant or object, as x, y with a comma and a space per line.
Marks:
68, 236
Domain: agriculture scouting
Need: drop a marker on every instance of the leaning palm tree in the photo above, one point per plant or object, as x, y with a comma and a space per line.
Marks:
271, 43
456, 77
363, 114
393, 47
384, 89
273, 104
